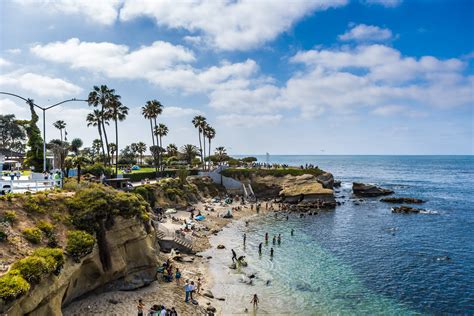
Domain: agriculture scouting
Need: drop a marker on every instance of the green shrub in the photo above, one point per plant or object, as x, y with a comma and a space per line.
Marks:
12, 286
32, 205
33, 268
3, 236
97, 169
79, 243
248, 173
53, 256
33, 235
46, 227
10, 217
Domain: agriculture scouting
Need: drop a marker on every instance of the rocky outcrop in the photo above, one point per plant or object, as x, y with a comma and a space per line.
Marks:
407, 210
407, 200
369, 190
134, 261
326, 179
308, 192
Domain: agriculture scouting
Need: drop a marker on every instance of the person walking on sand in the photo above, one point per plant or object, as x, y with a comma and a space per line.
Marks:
245, 237
193, 290
140, 307
260, 249
178, 276
255, 301
187, 290
234, 255
199, 283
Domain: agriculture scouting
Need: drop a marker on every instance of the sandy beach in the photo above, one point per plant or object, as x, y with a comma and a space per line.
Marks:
170, 294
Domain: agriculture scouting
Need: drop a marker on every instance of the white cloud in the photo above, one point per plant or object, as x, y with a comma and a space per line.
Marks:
176, 111
240, 120
102, 11
4, 62
363, 32
39, 84
7, 106
227, 25
13, 51
397, 110
385, 3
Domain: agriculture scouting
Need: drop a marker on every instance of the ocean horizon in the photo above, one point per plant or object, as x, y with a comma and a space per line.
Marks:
361, 258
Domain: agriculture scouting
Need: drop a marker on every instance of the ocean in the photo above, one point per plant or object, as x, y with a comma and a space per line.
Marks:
361, 258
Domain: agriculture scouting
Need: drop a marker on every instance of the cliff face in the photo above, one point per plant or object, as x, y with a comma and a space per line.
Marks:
133, 253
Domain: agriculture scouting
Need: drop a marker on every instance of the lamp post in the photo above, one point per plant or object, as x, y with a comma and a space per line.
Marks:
44, 109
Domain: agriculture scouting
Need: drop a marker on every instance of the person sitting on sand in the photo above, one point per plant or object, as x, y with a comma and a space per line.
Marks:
255, 301
140, 307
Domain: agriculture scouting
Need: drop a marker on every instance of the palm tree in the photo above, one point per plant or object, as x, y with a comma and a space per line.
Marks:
189, 152
118, 112
160, 131
221, 154
172, 150
150, 111
113, 151
199, 122
141, 149
96, 145
60, 125
76, 144
95, 119
210, 133
78, 162
101, 96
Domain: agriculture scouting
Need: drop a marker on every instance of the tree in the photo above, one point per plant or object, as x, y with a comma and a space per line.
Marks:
79, 161
60, 125
189, 152
221, 154
12, 134
118, 112
60, 150
100, 96
95, 119
172, 150
210, 133
141, 149
160, 131
127, 156
150, 111
199, 122
76, 144
113, 151
96, 145
34, 155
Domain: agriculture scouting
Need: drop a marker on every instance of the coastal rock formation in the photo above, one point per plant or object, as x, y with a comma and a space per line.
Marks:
369, 190
326, 179
308, 194
133, 257
407, 210
407, 200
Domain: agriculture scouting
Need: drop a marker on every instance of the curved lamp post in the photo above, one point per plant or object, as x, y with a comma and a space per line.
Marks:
44, 109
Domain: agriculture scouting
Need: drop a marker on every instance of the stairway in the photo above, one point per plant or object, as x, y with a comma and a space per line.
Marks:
248, 192
185, 244
160, 235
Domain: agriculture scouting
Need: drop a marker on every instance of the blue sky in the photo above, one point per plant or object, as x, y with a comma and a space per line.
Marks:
285, 77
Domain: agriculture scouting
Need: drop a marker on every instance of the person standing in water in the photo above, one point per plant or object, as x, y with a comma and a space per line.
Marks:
260, 249
274, 239
255, 301
245, 237
279, 239
271, 252
292, 232
234, 255
266, 237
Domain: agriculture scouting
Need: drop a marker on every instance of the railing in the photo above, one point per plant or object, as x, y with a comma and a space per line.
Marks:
175, 235
18, 186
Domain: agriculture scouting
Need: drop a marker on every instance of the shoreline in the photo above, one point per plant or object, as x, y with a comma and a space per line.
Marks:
170, 294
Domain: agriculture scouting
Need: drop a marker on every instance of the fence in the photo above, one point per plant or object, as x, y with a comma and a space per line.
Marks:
20, 186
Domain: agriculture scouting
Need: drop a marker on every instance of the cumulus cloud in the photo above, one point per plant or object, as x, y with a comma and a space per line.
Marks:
397, 110
103, 12
39, 84
8, 106
4, 62
363, 32
13, 51
176, 111
227, 25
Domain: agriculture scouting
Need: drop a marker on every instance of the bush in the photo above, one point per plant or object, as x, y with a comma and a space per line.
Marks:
97, 169
33, 268
46, 227
10, 217
3, 236
248, 173
32, 205
12, 286
33, 235
79, 243
53, 256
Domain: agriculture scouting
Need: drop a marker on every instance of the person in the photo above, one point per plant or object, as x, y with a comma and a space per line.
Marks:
274, 239
177, 276
193, 289
140, 307
12, 175
199, 284
292, 232
245, 237
173, 312
271, 252
266, 237
279, 239
255, 301
18, 175
234, 255
163, 311
187, 290
287, 217
260, 249
246, 223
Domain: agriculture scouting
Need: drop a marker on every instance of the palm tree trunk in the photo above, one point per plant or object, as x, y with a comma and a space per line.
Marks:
157, 144
101, 140
200, 147
106, 142
209, 152
61, 132
204, 151
116, 147
153, 139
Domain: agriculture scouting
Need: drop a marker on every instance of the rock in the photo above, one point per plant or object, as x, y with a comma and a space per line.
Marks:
369, 190
402, 200
326, 179
337, 184
113, 301
220, 247
220, 298
211, 309
209, 257
406, 209
208, 293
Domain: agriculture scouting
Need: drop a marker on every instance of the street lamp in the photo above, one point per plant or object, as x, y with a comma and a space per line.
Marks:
44, 109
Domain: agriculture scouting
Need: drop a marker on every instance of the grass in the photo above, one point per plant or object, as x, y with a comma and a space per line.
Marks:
142, 170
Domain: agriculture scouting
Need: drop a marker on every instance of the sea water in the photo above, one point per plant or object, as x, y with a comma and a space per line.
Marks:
361, 258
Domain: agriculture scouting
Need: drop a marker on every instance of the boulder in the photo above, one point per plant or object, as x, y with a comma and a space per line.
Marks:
220, 247
407, 200
208, 294
406, 210
326, 179
369, 190
337, 184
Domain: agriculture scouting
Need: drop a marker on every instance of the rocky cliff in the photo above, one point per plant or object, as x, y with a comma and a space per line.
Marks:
132, 249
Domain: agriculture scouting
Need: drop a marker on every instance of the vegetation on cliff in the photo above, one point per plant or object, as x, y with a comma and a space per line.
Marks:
239, 173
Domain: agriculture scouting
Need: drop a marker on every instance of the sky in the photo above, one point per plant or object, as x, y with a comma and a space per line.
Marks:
277, 76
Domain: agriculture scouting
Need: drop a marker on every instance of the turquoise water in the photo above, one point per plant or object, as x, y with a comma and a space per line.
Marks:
362, 259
